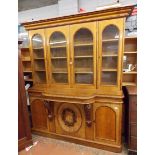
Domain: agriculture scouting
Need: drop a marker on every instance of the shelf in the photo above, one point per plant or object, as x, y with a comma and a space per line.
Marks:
40, 70
59, 46
130, 72
26, 59
131, 37
110, 55
59, 58
27, 71
83, 56
109, 70
129, 84
82, 72
132, 52
38, 48
110, 40
24, 48
83, 44
60, 72
28, 80
38, 58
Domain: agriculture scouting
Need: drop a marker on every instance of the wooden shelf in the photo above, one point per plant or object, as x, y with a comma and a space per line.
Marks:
27, 71
82, 72
60, 72
130, 52
109, 70
38, 48
130, 72
38, 58
110, 55
110, 40
129, 84
59, 58
40, 70
26, 59
59, 46
131, 37
24, 48
83, 44
83, 56
31, 80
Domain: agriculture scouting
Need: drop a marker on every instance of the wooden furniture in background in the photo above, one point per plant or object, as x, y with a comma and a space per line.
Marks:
24, 131
77, 77
130, 92
130, 52
132, 125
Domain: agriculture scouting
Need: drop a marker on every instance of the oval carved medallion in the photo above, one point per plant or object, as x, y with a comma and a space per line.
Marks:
69, 117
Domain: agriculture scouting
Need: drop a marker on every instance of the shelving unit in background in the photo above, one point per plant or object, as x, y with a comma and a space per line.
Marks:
26, 62
130, 51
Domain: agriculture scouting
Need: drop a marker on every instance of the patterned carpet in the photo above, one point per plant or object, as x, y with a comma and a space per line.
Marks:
49, 146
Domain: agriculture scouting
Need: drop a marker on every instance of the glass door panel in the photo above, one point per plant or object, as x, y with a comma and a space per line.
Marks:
58, 53
83, 57
38, 59
110, 46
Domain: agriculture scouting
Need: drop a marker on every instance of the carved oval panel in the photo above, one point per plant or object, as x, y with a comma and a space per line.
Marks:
69, 117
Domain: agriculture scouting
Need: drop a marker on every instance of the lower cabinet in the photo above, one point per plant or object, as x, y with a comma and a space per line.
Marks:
92, 123
107, 122
39, 115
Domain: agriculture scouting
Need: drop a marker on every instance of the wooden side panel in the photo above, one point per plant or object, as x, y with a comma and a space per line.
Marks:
39, 115
105, 123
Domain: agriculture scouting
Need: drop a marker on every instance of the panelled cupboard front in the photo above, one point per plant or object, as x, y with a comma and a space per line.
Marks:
77, 70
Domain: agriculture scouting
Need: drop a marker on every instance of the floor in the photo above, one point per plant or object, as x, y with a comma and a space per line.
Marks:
49, 146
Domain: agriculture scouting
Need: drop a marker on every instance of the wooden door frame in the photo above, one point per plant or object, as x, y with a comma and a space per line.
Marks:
119, 23
31, 34
48, 32
91, 26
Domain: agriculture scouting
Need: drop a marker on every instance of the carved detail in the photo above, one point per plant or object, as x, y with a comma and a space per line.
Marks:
87, 109
49, 105
69, 117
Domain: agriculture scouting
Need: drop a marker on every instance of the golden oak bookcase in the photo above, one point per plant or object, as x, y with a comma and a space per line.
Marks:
77, 77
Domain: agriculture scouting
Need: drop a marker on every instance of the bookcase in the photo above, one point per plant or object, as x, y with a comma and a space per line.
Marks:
130, 56
77, 68
26, 61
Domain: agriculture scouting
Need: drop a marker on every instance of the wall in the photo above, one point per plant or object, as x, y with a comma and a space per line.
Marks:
66, 7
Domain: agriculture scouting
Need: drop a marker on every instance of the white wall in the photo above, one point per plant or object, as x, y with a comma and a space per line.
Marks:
38, 14
66, 7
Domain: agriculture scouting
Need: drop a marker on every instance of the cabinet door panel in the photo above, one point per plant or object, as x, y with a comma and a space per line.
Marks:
58, 55
39, 115
105, 119
108, 118
110, 54
38, 55
83, 47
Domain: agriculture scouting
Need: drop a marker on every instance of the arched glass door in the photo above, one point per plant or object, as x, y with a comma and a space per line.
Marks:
38, 59
109, 61
83, 57
58, 55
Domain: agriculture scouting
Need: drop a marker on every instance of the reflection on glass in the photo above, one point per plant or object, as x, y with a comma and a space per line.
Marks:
58, 50
110, 46
83, 56
39, 62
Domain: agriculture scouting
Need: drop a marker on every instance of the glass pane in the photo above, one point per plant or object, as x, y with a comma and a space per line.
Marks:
110, 46
83, 56
39, 62
58, 48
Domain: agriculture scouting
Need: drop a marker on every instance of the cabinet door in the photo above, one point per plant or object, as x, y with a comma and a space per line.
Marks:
39, 115
38, 55
83, 50
110, 54
58, 55
107, 122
